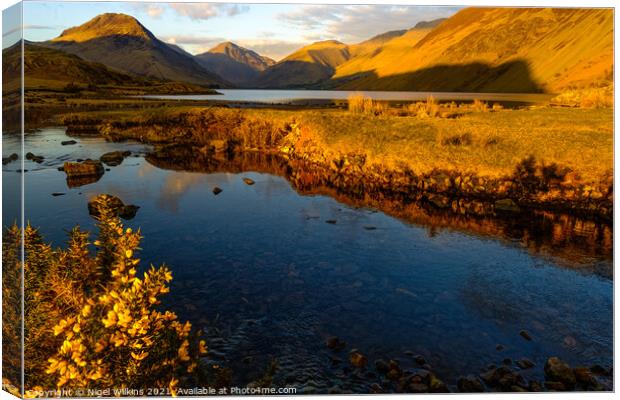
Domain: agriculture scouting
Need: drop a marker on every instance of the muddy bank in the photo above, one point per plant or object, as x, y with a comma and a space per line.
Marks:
534, 184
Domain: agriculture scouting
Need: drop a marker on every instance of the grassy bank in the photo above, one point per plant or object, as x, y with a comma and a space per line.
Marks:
548, 157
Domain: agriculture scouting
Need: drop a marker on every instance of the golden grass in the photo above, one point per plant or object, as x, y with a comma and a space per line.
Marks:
489, 144
360, 104
596, 97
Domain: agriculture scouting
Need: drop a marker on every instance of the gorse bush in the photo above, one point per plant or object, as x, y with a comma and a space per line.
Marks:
91, 322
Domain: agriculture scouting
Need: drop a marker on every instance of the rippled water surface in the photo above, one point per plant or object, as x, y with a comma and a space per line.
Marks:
260, 269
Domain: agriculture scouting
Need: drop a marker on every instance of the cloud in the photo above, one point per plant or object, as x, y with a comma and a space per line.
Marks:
356, 23
273, 48
153, 10
204, 11
31, 27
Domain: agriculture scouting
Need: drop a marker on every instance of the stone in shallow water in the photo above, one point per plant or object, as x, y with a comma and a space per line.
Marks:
116, 206
68, 142
558, 371
217, 190
469, 384
248, 181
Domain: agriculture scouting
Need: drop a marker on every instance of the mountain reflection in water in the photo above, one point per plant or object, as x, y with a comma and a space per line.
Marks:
569, 241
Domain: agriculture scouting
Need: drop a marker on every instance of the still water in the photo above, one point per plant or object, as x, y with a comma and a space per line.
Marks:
259, 269
293, 96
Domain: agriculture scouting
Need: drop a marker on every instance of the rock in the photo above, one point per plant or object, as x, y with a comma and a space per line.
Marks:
370, 228
584, 375
114, 158
469, 384
394, 374
56, 194
334, 343
381, 366
248, 359
524, 363
557, 370
248, 181
357, 359
506, 361
535, 386
34, 158
499, 347
11, 158
331, 221
437, 386
439, 201
86, 168
597, 369
570, 341
115, 204
68, 142
217, 190
419, 359
376, 388
525, 335
128, 212
507, 205
555, 386
418, 388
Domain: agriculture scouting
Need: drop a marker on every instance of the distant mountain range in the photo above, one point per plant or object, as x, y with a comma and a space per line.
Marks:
234, 63
477, 49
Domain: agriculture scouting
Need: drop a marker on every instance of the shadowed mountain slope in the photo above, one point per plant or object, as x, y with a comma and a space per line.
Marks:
53, 69
308, 65
234, 63
121, 42
547, 49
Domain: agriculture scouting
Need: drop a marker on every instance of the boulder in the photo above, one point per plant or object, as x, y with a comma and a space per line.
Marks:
115, 204
68, 142
217, 190
334, 343
558, 371
248, 181
85, 168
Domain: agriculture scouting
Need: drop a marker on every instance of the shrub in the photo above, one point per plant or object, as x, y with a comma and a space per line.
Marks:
479, 106
427, 109
91, 321
595, 97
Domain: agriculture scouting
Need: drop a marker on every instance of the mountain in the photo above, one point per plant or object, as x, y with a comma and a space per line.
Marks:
492, 50
234, 63
121, 42
53, 69
50, 69
307, 66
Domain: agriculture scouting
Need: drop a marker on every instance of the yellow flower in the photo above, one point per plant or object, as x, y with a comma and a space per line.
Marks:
128, 253
202, 347
110, 320
86, 310
139, 356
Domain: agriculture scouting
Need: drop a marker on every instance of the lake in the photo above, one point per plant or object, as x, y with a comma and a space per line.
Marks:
297, 96
262, 272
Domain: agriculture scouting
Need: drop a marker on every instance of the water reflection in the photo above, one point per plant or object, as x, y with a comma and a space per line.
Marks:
573, 242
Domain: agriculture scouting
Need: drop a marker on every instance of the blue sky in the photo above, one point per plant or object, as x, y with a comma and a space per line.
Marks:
274, 30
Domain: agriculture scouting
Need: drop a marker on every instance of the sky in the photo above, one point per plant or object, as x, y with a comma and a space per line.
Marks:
274, 30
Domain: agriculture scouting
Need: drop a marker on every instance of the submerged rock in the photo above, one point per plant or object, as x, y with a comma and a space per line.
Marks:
115, 204
525, 335
248, 181
68, 142
334, 343
11, 158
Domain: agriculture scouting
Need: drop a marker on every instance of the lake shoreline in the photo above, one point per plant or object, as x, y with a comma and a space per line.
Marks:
534, 184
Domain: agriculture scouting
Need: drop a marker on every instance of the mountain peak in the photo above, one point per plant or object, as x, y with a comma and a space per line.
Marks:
224, 47
108, 24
